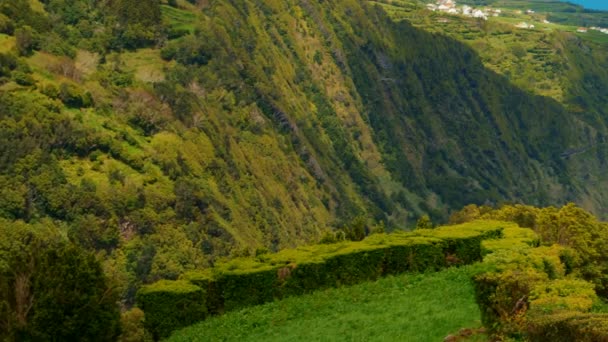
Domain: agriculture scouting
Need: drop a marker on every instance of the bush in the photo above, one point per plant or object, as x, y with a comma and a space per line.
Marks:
73, 96
213, 295
50, 90
170, 305
8, 63
569, 326
252, 281
26, 40
247, 288
509, 276
530, 293
71, 299
132, 323
6, 25
562, 295
23, 79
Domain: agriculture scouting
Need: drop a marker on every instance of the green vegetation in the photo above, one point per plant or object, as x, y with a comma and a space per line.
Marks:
569, 226
52, 290
169, 305
171, 137
548, 292
548, 60
524, 291
247, 282
425, 307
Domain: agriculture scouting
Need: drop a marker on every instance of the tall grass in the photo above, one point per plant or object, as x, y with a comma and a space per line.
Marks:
423, 307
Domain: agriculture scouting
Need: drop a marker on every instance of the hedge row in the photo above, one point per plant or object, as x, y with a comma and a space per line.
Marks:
251, 281
170, 305
532, 292
568, 327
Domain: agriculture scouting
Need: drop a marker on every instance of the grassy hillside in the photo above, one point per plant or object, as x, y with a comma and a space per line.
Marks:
425, 307
168, 136
551, 60
547, 283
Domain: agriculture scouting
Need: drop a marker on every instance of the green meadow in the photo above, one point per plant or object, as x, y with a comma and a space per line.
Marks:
420, 307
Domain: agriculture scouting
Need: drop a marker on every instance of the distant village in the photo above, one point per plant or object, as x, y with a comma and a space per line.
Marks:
450, 7
601, 29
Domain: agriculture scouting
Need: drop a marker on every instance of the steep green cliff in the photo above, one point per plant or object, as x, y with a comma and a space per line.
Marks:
235, 125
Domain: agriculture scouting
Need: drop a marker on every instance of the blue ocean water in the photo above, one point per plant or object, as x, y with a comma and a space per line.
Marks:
592, 4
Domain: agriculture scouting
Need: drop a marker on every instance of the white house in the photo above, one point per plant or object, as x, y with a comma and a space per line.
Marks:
480, 14
524, 25
443, 8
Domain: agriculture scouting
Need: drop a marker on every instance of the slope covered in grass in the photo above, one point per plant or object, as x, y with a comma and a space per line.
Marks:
424, 307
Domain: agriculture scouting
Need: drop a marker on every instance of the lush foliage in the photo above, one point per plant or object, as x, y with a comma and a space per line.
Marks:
424, 307
548, 292
569, 226
247, 282
171, 305
167, 137
52, 290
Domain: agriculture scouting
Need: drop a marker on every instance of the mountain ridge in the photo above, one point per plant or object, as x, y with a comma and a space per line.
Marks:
242, 125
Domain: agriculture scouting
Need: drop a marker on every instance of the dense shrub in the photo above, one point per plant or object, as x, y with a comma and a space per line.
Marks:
569, 326
246, 288
8, 63
74, 97
170, 305
6, 25
71, 299
568, 226
250, 281
132, 324
26, 40
532, 293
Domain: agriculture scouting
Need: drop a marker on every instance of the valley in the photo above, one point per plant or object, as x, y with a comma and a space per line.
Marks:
143, 140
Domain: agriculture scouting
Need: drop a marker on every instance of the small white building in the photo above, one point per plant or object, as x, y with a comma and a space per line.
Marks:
443, 8
524, 25
479, 14
581, 30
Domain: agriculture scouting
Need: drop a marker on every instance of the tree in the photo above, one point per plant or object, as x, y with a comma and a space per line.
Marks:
424, 223
71, 298
25, 40
139, 21
51, 289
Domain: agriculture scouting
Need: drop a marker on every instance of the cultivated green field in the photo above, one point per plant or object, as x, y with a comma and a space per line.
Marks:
423, 307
